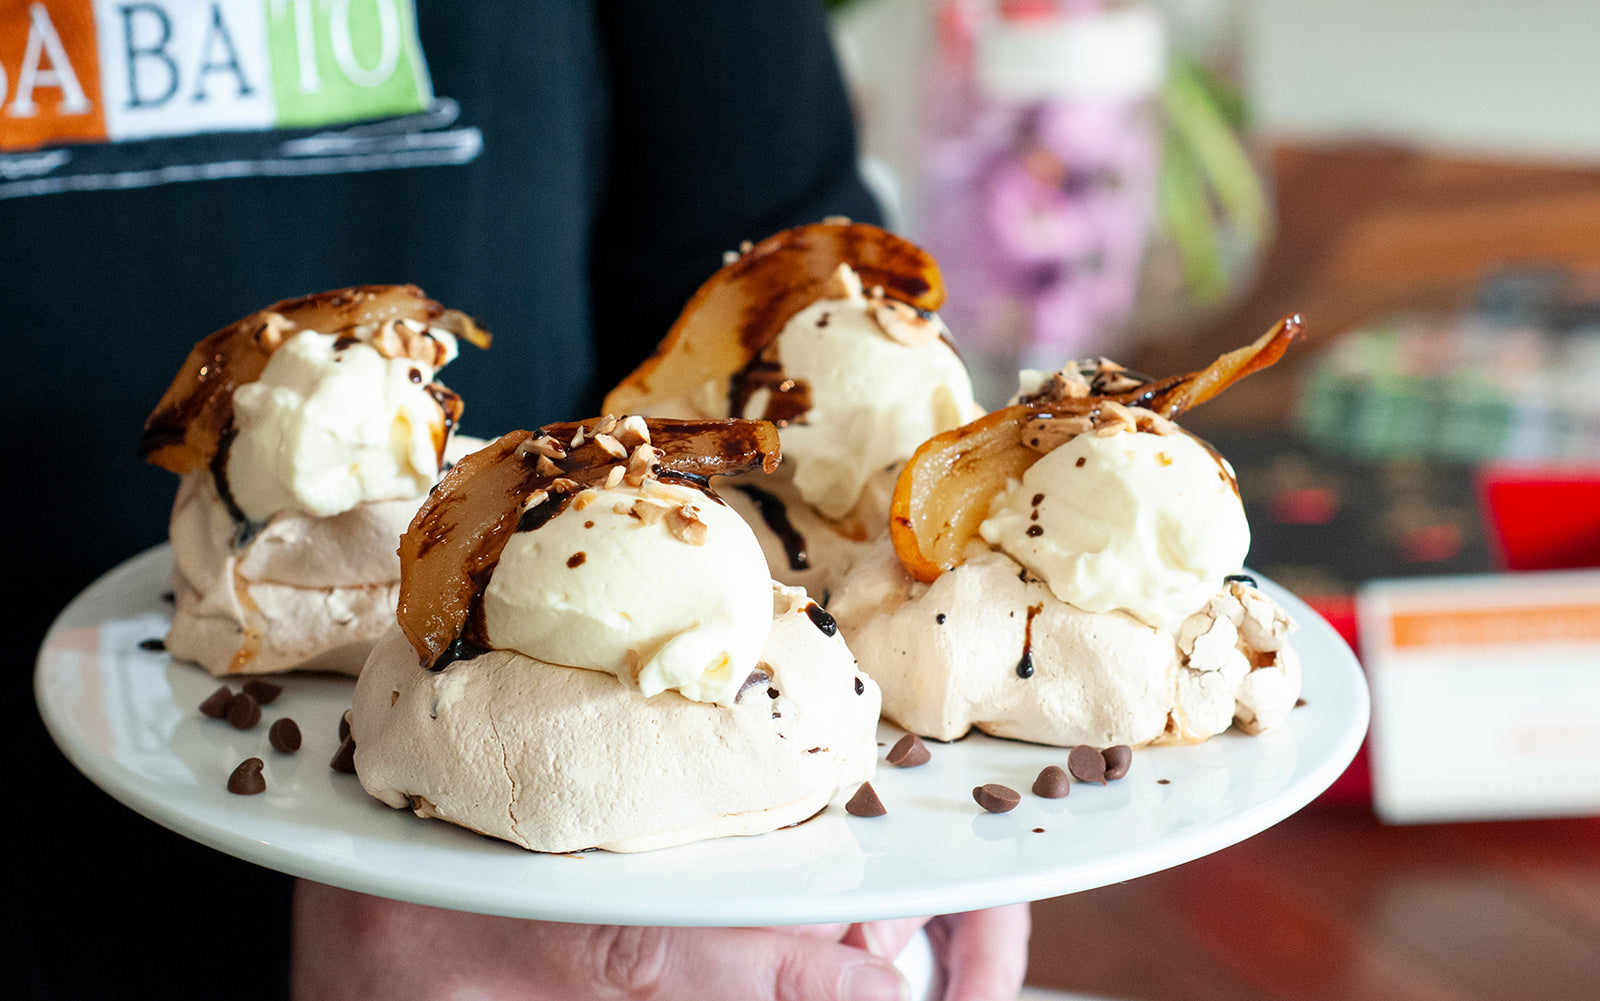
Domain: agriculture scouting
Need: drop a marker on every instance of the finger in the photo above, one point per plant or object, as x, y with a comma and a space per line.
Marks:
884, 938
831, 933
985, 953
683, 964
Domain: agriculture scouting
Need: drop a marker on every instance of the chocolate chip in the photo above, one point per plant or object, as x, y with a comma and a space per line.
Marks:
1118, 758
344, 759
284, 736
216, 704
865, 803
909, 752
861, 688
264, 691
246, 780
996, 798
1087, 764
243, 711
1052, 783
344, 725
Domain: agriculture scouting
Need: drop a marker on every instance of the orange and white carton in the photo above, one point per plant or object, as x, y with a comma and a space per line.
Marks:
1485, 695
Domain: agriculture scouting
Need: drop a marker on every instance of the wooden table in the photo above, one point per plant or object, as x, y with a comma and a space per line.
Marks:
1331, 903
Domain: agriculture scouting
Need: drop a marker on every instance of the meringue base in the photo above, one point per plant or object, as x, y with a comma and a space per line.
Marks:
987, 646
302, 593
560, 759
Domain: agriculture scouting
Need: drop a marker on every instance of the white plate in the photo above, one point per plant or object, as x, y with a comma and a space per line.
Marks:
128, 718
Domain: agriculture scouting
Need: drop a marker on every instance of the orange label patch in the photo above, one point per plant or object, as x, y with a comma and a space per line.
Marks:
49, 75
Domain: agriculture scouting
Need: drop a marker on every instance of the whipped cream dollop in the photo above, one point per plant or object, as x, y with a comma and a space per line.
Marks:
1142, 522
659, 584
879, 378
335, 421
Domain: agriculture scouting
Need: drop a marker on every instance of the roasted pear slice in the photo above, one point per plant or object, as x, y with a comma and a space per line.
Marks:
183, 431
457, 536
944, 491
743, 306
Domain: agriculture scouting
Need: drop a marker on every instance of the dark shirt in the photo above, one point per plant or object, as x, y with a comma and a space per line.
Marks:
584, 165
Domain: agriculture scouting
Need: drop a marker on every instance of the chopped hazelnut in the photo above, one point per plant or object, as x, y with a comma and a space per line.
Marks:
633, 431
684, 523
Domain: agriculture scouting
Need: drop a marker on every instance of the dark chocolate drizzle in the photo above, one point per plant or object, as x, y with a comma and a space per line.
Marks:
787, 399
1025, 665
776, 517
822, 620
460, 648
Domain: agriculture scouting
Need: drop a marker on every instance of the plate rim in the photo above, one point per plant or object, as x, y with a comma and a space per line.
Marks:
946, 897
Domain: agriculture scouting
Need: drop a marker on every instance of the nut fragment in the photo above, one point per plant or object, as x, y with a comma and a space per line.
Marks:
407, 338
902, 324
1043, 434
649, 511
611, 446
614, 476
275, 329
546, 446
640, 462
684, 523
1114, 418
633, 431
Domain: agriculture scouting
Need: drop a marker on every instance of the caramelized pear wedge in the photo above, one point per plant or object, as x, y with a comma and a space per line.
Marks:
183, 431
944, 491
1172, 396
743, 306
457, 536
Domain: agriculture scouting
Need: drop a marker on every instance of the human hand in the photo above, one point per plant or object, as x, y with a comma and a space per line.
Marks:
352, 946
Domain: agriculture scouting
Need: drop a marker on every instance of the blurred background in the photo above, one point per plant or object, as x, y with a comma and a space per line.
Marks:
1161, 181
